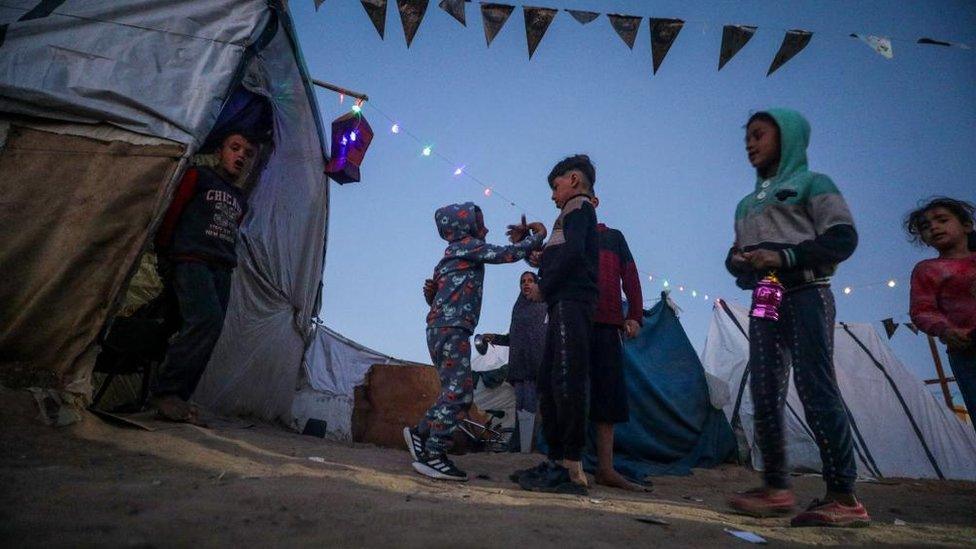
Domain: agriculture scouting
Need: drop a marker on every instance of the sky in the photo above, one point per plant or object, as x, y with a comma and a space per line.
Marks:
668, 148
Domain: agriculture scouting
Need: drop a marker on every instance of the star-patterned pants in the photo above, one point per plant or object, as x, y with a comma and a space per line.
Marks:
804, 337
450, 351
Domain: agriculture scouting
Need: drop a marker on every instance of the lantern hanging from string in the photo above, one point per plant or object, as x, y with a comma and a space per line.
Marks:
351, 136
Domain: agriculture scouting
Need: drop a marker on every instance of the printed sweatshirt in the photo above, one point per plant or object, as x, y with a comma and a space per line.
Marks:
944, 295
617, 266
459, 276
799, 213
570, 260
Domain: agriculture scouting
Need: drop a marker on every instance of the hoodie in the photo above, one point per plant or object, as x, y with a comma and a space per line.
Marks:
459, 276
799, 213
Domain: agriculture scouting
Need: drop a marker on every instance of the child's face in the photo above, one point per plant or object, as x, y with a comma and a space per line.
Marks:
762, 144
942, 229
482, 230
527, 283
564, 187
235, 153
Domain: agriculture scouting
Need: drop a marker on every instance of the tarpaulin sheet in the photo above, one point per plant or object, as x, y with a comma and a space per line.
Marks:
673, 426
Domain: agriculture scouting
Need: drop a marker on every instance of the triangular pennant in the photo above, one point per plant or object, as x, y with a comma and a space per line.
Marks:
933, 42
584, 17
880, 44
912, 327
663, 33
626, 26
494, 17
318, 4
376, 11
411, 14
455, 8
793, 43
537, 20
734, 37
890, 326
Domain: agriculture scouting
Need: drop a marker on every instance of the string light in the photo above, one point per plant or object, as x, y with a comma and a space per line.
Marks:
694, 293
487, 191
357, 109
666, 284
650, 277
426, 151
395, 128
681, 288
847, 290
458, 171
891, 283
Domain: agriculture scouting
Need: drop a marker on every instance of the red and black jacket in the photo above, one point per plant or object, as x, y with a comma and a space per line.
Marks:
617, 267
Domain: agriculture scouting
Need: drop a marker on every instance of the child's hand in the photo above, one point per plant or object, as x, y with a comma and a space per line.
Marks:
763, 259
429, 290
517, 233
956, 339
535, 258
538, 229
631, 327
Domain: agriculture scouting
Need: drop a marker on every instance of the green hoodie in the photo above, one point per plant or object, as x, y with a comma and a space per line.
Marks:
797, 212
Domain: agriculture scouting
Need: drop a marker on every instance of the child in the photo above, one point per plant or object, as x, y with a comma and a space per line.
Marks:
568, 285
199, 237
608, 391
943, 298
797, 225
455, 305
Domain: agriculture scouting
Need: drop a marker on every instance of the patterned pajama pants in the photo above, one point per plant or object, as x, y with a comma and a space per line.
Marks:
450, 351
805, 334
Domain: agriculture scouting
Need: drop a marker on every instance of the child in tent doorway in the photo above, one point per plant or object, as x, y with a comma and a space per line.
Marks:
454, 295
797, 225
608, 390
198, 237
943, 297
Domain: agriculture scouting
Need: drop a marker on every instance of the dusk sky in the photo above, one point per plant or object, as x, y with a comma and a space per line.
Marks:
668, 148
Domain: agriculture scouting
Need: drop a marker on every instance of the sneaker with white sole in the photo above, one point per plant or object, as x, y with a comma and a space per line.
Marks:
415, 442
439, 466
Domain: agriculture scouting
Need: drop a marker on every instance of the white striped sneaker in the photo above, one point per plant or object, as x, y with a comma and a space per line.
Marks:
415, 442
439, 466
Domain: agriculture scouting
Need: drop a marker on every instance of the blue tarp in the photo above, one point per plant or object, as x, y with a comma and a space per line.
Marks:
673, 426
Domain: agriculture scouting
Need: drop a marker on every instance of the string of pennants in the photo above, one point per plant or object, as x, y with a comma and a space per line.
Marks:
663, 31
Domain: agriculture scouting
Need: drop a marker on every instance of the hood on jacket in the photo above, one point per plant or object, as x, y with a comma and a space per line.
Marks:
458, 221
794, 137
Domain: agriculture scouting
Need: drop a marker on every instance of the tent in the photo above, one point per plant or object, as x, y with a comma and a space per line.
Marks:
102, 107
900, 428
673, 427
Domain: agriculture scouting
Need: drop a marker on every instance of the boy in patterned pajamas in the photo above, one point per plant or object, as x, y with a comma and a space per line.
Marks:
797, 224
454, 295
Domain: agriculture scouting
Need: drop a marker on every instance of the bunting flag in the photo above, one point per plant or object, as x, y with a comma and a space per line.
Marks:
793, 43
933, 42
455, 8
376, 11
411, 14
584, 17
626, 26
663, 34
318, 4
537, 20
880, 44
912, 327
734, 37
890, 326
494, 16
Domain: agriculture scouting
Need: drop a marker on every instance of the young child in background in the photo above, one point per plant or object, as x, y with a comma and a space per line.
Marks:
943, 297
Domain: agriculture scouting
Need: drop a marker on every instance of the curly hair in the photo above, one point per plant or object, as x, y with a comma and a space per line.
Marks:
914, 221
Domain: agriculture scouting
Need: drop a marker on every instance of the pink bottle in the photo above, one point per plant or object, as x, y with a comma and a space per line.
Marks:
766, 298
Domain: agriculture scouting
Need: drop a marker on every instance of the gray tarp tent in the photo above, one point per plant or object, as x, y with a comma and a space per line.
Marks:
102, 105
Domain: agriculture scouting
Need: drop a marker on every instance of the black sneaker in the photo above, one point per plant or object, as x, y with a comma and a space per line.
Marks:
554, 480
439, 466
415, 442
539, 469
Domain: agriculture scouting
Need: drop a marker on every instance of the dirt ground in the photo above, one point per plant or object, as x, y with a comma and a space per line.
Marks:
242, 483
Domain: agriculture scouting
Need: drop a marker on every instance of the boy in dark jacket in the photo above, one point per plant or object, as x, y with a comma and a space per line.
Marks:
455, 306
568, 285
198, 237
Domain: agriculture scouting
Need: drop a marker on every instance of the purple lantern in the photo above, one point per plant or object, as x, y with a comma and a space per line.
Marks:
351, 135
766, 298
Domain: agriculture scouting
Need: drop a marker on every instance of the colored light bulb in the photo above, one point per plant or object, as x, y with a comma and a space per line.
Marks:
395, 128
891, 283
426, 151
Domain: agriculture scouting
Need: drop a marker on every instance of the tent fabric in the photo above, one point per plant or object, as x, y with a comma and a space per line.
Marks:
256, 365
73, 219
673, 426
336, 364
900, 428
155, 67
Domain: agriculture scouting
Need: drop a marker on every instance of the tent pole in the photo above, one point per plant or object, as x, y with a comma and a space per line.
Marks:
941, 372
339, 89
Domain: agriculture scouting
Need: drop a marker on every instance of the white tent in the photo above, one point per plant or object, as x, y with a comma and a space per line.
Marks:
900, 428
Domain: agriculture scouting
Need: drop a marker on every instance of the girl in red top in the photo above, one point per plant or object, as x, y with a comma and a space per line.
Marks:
943, 298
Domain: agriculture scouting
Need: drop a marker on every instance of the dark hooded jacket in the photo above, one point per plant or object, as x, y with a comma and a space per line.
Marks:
459, 276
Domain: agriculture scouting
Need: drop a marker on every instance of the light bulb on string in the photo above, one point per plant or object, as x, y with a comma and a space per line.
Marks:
426, 151
681, 288
650, 277
694, 293
487, 191
395, 128
357, 109
847, 290
458, 171
706, 297
891, 283
666, 284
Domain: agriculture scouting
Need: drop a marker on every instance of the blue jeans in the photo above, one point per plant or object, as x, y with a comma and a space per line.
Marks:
963, 365
202, 292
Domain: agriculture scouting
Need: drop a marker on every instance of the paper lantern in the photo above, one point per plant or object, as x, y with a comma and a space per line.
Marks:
351, 136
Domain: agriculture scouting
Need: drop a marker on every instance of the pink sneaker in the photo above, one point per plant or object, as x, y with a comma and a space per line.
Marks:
763, 502
832, 513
